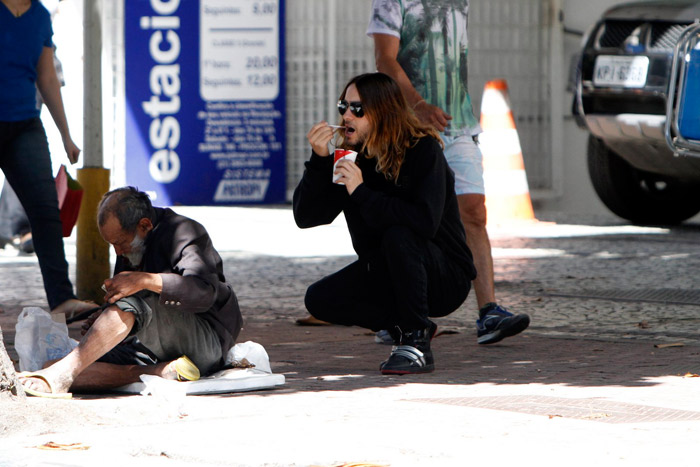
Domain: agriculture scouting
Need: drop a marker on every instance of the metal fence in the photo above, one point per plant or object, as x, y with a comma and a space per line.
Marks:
319, 33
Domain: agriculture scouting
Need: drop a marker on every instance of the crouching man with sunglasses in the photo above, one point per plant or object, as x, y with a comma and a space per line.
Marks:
401, 209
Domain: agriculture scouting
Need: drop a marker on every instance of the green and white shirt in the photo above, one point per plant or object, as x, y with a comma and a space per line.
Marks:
432, 52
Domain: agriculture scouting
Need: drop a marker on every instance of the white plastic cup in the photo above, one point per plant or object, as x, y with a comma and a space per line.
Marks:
341, 154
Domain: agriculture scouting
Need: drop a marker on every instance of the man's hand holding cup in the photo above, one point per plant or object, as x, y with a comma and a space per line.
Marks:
345, 171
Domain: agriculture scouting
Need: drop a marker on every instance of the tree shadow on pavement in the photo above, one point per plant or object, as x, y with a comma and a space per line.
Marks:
338, 358
345, 358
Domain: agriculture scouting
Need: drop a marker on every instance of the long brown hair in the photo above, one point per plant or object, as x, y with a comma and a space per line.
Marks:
395, 127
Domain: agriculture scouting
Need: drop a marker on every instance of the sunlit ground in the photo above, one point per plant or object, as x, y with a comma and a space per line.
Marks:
272, 231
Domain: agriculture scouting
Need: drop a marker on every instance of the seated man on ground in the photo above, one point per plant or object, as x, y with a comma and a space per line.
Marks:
401, 209
168, 300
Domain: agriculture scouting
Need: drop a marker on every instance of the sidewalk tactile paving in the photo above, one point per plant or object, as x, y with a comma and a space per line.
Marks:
598, 410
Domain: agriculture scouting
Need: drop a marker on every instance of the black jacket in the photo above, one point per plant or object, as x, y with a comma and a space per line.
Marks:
180, 250
423, 200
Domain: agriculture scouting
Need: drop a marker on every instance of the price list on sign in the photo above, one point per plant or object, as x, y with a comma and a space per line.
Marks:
205, 100
239, 50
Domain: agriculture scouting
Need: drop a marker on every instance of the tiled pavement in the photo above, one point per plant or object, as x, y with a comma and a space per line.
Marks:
595, 368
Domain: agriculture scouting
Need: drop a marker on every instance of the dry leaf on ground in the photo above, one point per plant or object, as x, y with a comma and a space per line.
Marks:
51, 446
664, 346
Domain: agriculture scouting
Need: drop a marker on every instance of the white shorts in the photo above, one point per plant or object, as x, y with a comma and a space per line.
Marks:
464, 158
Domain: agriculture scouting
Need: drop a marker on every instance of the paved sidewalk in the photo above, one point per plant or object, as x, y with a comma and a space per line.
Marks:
604, 375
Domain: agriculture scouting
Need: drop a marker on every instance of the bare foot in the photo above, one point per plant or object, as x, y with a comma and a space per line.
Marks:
168, 371
73, 307
45, 381
182, 369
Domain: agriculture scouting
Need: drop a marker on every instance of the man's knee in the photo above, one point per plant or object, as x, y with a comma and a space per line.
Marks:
316, 301
126, 317
472, 210
137, 309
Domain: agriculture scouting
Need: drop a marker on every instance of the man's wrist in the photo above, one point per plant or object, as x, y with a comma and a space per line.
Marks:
155, 283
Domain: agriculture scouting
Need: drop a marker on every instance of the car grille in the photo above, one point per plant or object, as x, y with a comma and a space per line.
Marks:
616, 32
664, 36
659, 36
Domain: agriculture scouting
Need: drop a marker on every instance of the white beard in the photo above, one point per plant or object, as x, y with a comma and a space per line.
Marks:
135, 256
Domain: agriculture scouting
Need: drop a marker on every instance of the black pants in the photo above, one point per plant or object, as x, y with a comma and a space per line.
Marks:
25, 160
403, 284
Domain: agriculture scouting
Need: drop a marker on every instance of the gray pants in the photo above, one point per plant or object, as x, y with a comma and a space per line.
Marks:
161, 334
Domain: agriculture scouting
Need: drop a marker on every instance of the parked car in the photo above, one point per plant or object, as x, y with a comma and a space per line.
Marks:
620, 98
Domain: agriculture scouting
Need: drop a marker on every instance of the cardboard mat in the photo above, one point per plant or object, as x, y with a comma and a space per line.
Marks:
251, 371
226, 381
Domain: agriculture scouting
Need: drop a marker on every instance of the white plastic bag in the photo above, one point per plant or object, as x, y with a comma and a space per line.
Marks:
249, 353
39, 338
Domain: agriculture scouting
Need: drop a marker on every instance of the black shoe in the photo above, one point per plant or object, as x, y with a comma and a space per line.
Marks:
496, 323
411, 353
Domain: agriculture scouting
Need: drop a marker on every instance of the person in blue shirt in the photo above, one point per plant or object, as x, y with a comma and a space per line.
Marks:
14, 224
27, 64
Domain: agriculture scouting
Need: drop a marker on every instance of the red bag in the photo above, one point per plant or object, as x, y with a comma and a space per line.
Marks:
70, 195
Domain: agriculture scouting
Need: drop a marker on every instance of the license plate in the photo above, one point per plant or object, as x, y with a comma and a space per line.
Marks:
626, 72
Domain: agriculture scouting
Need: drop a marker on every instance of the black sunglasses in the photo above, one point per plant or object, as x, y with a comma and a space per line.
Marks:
355, 108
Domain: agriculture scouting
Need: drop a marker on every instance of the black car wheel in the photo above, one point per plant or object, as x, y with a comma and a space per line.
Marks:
641, 197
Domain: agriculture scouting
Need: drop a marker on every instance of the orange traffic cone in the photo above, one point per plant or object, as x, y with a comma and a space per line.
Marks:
507, 191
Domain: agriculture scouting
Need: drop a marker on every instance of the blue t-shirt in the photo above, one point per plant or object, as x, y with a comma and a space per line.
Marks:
22, 40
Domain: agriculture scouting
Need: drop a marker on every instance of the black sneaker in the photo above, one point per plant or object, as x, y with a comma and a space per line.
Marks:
496, 323
411, 354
